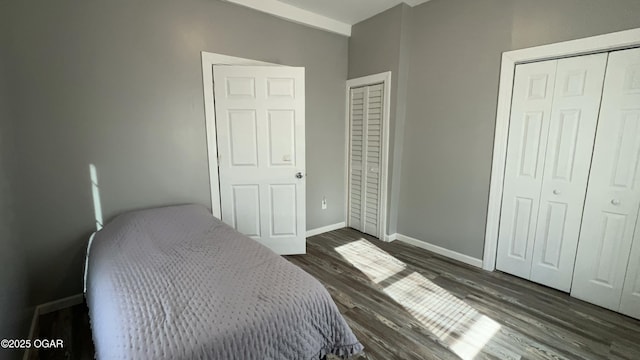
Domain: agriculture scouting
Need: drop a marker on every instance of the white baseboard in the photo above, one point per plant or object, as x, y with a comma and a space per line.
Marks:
324, 229
390, 238
440, 250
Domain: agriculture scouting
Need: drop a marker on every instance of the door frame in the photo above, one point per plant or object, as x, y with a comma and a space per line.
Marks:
590, 45
208, 60
384, 78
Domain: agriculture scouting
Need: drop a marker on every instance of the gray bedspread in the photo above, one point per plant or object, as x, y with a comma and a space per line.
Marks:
176, 283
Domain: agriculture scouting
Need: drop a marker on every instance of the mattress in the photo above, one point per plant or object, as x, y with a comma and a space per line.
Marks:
177, 283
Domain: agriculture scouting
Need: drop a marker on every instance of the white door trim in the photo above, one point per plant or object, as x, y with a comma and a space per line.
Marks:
384, 78
208, 60
590, 45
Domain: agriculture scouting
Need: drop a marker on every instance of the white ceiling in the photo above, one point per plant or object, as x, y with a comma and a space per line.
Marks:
332, 15
348, 11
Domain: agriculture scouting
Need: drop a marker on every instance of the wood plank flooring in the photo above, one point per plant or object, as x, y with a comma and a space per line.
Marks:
70, 325
407, 303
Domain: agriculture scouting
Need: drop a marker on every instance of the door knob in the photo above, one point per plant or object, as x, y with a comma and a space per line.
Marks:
615, 202
556, 192
299, 175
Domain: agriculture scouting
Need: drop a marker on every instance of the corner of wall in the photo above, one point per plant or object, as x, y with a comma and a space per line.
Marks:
401, 114
14, 314
381, 43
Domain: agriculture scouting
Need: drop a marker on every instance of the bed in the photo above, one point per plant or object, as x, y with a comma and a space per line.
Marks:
177, 283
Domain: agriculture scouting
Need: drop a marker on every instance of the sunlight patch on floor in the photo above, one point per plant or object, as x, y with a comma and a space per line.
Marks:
457, 325
477, 337
374, 262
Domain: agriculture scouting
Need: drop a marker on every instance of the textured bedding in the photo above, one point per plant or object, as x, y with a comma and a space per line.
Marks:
176, 283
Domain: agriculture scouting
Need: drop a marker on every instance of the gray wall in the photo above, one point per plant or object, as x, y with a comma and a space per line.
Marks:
452, 95
118, 84
13, 312
376, 45
548, 21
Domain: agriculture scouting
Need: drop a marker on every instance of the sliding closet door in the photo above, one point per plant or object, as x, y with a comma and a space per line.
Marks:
528, 132
365, 158
574, 116
613, 195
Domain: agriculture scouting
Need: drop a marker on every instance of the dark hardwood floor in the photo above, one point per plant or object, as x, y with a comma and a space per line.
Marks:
407, 303
71, 325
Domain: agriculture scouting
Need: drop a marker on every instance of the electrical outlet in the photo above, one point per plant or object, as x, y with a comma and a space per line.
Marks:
324, 203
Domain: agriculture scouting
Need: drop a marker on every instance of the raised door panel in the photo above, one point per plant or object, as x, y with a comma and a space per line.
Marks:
528, 134
282, 198
576, 103
243, 139
282, 138
240, 87
246, 209
281, 88
613, 195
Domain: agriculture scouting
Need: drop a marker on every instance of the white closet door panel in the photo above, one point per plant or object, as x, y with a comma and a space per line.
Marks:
357, 156
576, 103
365, 152
630, 302
613, 195
528, 132
373, 156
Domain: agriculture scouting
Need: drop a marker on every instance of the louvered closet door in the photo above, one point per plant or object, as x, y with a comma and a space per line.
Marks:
356, 161
365, 158
613, 196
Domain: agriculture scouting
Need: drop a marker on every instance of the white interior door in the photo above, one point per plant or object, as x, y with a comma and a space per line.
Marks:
260, 120
574, 116
613, 195
528, 132
365, 158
